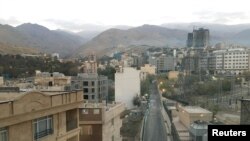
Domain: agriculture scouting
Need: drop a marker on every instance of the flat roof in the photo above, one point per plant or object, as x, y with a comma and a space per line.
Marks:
99, 105
195, 109
10, 96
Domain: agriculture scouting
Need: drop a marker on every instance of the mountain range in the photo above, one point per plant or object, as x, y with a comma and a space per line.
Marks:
37, 36
42, 39
143, 35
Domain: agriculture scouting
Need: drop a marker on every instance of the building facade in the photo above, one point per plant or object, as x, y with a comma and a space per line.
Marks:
127, 85
43, 116
189, 114
90, 65
230, 61
149, 69
198, 38
163, 63
94, 86
100, 121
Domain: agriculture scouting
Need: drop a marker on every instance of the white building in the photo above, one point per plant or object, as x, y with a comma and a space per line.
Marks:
127, 85
55, 55
233, 61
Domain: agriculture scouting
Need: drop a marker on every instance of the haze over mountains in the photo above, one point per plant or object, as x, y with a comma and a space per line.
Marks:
42, 39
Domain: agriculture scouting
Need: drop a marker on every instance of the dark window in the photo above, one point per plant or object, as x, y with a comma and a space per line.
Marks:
86, 90
85, 83
93, 83
93, 90
93, 96
71, 120
86, 97
50, 83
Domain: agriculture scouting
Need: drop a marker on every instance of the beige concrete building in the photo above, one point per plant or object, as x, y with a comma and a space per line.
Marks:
43, 116
148, 68
90, 65
1, 81
51, 81
189, 114
100, 122
173, 75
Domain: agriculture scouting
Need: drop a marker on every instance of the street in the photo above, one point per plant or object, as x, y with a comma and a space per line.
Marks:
154, 126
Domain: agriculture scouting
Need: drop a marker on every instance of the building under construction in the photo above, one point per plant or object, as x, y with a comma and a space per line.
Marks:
198, 38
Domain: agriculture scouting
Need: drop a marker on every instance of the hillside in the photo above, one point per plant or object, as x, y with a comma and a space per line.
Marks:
33, 35
143, 35
8, 49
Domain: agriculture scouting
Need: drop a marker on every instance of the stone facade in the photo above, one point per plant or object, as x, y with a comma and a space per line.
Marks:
45, 116
100, 122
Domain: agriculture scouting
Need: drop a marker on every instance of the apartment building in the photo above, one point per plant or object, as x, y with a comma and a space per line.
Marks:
51, 81
198, 38
127, 85
100, 121
231, 61
163, 63
94, 86
43, 116
90, 65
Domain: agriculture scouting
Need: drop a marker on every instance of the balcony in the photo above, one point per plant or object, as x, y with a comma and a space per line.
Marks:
70, 125
43, 133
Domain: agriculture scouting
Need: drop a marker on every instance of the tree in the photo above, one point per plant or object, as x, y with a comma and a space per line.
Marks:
108, 71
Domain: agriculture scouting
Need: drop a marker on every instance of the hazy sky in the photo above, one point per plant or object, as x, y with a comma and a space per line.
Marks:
78, 14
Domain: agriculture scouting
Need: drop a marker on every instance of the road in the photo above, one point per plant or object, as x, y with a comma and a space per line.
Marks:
154, 126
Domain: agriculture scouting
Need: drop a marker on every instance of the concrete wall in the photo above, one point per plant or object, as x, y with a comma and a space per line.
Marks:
187, 117
19, 114
150, 69
127, 86
112, 130
1, 81
173, 74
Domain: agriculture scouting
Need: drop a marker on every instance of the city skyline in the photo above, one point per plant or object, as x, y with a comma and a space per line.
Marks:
76, 15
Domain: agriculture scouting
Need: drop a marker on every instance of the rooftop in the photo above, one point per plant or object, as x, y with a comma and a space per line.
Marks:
195, 109
10, 96
100, 105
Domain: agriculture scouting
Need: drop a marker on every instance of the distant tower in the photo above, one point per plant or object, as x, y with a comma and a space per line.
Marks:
200, 37
90, 66
190, 40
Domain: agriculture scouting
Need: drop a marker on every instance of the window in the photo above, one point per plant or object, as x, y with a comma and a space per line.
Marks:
43, 127
3, 134
96, 111
86, 90
93, 90
85, 97
71, 120
85, 83
93, 96
85, 111
93, 83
